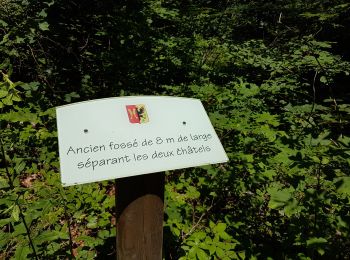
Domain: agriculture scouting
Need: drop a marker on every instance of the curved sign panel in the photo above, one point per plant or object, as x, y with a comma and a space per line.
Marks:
126, 136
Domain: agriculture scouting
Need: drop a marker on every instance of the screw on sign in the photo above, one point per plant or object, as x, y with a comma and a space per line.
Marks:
154, 134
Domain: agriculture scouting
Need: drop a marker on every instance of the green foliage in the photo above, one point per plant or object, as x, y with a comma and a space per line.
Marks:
273, 77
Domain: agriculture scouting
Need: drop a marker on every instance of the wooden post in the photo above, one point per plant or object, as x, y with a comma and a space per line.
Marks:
140, 211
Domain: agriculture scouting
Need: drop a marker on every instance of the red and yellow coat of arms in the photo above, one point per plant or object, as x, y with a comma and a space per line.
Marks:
137, 114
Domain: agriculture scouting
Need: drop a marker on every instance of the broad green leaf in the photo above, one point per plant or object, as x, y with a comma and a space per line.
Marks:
3, 93
20, 165
201, 255
292, 208
44, 26
19, 229
22, 252
212, 249
3, 23
321, 251
315, 241
7, 100
5, 221
49, 235
4, 183
220, 227
344, 185
220, 253
279, 197
15, 213
323, 79
199, 235
42, 13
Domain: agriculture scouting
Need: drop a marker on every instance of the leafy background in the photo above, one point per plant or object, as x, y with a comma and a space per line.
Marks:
274, 78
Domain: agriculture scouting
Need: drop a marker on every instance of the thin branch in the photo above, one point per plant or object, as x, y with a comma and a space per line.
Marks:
33, 55
314, 95
199, 220
69, 231
86, 43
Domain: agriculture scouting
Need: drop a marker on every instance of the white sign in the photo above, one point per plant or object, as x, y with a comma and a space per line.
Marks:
119, 137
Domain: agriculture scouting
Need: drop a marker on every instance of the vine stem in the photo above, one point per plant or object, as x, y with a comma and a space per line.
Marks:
18, 205
67, 217
70, 232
